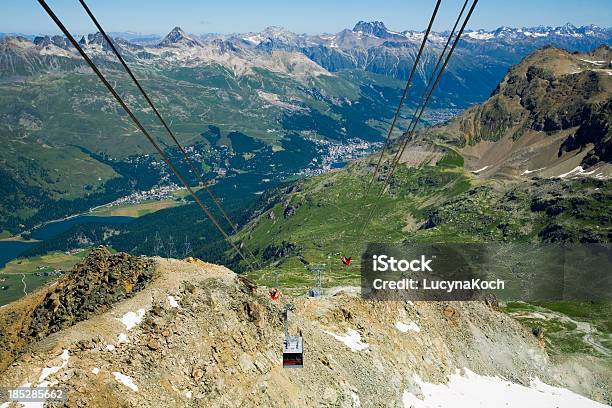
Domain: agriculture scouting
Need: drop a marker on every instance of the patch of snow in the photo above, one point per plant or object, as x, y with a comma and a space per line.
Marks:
188, 394
47, 371
474, 390
479, 170
132, 319
531, 315
480, 35
172, 301
125, 380
42, 383
254, 39
593, 62
530, 34
576, 170
110, 347
122, 338
532, 171
356, 400
406, 327
588, 173
352, 340
95, 370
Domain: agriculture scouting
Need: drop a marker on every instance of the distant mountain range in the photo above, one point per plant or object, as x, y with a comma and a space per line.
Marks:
480, 61
379, 30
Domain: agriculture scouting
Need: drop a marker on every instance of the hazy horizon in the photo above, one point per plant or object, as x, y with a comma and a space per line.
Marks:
156, 17
162, 34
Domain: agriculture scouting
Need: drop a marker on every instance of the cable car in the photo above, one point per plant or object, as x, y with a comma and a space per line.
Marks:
293, 346
346, 261
293, 352
275, 294
314, 292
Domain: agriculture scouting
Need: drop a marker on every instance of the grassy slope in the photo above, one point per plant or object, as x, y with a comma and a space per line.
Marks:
31, 272
46, 118
442, 203
329, 211
563, 335
44, 263
329, 214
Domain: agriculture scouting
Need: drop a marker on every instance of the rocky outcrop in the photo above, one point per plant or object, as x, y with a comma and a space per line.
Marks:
550, 210
551, 108
277, 251
90, 288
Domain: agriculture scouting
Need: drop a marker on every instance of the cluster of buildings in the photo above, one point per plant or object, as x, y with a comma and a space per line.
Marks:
336, 155
439, 116
156, 193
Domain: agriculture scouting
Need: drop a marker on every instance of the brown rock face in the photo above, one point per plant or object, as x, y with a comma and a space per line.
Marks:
90, 288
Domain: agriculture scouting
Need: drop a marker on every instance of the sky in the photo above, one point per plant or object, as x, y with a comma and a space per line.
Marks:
306, 16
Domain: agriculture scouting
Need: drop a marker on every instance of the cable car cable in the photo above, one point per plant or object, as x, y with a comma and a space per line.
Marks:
161, 119
440, 58
404, 95
140, 126
410, 132
430, 80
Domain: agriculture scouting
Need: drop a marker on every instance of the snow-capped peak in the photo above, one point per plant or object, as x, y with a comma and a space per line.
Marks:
510, 33
277, 32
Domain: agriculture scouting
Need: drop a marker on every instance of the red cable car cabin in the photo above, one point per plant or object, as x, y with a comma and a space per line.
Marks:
293, 352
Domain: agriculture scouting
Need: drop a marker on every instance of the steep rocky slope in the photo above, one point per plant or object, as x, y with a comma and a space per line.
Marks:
199, 335
91, 288
551, 114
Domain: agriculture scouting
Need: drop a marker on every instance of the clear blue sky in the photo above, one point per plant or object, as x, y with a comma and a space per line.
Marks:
309, 16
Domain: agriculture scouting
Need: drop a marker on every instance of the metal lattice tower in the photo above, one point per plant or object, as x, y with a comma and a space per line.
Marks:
171, 248
317, 270
187, 249
159, 245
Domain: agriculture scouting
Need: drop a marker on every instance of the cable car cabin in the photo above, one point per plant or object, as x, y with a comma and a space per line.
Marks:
293, 352
314, 292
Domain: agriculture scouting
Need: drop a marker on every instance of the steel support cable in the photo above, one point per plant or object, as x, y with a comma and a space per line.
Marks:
110, 88
165, 125
430, 79
161, 119
404, 95
410, 132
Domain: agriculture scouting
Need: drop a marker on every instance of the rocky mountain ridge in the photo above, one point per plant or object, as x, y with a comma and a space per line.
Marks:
369, 46
550, 117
